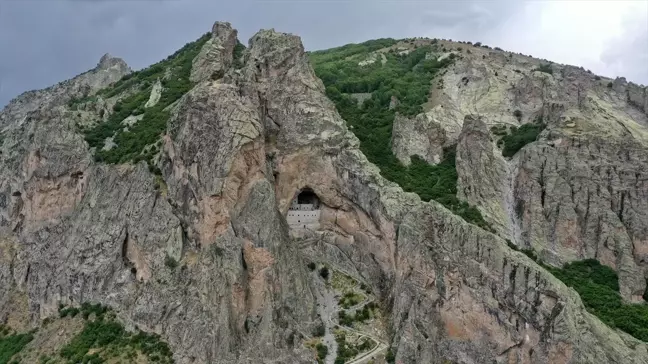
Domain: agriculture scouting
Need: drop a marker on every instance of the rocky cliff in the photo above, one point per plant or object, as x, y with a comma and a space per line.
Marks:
577, 192
196, 247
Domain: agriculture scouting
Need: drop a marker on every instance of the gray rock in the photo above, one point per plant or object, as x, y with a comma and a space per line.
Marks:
203, 256
216, 55
483, 174
419, 136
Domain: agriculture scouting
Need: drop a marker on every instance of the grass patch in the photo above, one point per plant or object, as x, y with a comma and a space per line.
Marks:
174, 74
348, 350
74, 103
345, 350
342, 282
367, 312
407, 77
350, 299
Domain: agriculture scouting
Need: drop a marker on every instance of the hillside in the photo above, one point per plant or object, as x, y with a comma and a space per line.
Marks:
409, 201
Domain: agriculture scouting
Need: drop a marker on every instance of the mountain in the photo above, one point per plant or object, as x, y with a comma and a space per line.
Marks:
400, 201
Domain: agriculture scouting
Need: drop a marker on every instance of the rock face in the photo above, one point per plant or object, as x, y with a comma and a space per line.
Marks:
108, 70
579, 191
483, 174
586, 197
203, 256
419, 136
215, 57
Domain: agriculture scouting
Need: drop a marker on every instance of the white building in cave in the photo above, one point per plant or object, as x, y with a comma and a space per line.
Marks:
304, 211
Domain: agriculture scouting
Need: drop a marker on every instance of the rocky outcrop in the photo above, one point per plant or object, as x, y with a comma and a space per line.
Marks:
586, 198
495, 84
108, 70
216, 55
603, 123
156, 93
418, 136
637, 96
203, 256
483, 174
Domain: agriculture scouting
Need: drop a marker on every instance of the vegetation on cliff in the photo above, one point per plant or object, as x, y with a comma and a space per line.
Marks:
512, 142
402, 77
12, 343
103, 338
598, 287
137, 142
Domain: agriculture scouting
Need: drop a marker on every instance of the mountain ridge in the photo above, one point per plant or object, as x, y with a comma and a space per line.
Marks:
192, 242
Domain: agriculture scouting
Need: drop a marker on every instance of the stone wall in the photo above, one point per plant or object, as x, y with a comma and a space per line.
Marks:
299, 219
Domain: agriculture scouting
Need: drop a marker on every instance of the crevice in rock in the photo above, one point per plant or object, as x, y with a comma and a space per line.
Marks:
557, 309
517, 345
27, 273
243, 262
124, 248
621, 206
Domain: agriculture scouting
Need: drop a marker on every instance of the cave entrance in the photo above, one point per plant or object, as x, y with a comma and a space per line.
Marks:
304, 211
306, 200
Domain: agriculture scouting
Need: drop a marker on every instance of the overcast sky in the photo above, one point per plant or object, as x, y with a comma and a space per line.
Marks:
45, 41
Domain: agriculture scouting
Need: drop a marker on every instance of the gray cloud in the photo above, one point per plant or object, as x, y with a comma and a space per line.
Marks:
627, 54
44, 42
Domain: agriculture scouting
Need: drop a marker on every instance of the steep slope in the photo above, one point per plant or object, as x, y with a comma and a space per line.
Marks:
192, 241
582, 195
578, 192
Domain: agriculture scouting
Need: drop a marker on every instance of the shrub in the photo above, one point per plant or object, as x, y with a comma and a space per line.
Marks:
597, 78
520, 137
390, 357
324, 273
319, 330
598, 288
498, 129
344, 319
518, 114
546, 68
322, 351
170, 262
239, 48
350, 299
610, 84
312, 266
345, 351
